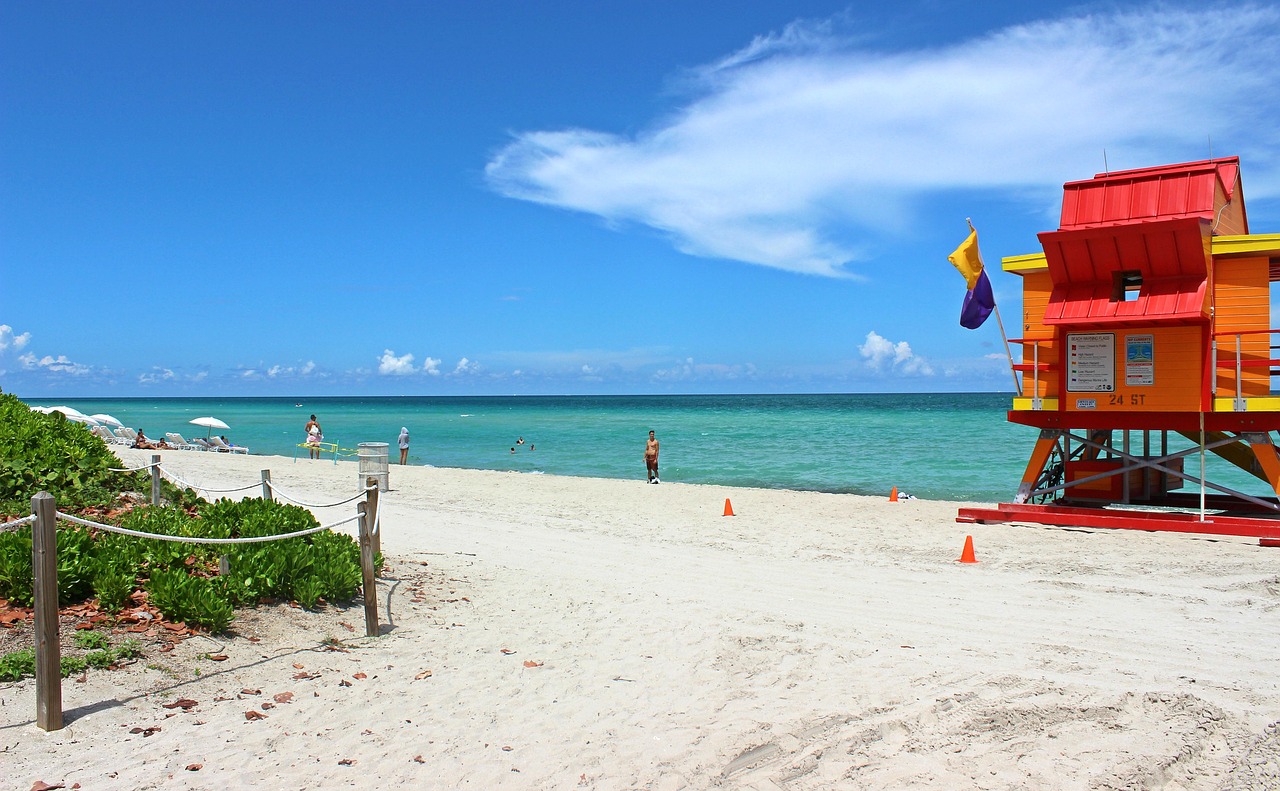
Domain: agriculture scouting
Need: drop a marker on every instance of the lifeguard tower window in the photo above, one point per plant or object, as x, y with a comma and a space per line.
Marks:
1125, 285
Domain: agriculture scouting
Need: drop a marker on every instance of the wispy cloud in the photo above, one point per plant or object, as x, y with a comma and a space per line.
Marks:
690, 370
156, 376
806, 140
59, 364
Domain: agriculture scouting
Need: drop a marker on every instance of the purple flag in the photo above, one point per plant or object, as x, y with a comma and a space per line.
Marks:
978, 303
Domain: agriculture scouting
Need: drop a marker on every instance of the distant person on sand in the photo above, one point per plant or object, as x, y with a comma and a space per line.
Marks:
314, 435
651, 458
404, 445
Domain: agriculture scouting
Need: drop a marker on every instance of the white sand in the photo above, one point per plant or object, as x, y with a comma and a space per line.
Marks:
810, 641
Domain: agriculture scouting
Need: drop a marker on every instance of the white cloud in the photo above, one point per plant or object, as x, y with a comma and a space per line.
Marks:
59, 364
808, 131
308, 368
466, 366
156, 376
391, 365
9, 339
882, 353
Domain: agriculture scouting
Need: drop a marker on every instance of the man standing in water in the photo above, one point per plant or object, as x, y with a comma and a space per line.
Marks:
651, 458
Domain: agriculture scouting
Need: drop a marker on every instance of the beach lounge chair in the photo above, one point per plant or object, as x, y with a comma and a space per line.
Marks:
219, 445
122, 436
106, 435
178, 441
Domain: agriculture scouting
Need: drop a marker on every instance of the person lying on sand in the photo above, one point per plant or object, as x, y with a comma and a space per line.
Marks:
142, 443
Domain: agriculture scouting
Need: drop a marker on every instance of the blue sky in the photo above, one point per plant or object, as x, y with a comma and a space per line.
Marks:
329, 198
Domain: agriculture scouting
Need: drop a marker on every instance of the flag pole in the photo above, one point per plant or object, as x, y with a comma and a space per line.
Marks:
1017, 385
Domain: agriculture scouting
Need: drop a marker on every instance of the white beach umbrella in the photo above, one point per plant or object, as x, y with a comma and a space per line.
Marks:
72, 414
208, 422
108, 419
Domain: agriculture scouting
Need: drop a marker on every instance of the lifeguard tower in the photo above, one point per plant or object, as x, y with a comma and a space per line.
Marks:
1146, 344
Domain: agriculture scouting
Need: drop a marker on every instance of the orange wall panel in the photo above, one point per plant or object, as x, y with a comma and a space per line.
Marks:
1242, 303
1036, 287
1139, 369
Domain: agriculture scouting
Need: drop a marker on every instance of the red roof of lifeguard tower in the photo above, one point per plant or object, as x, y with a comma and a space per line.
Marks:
1191, 189
1149, 226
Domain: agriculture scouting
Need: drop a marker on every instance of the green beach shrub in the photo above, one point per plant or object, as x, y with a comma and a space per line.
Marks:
75, 565
47, 452
201, 601
89, 640
40, 452
20, 664
16, 578
17, 665
113, 583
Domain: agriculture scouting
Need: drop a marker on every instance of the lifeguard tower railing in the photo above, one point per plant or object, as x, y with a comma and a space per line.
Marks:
1234, 354
1141, 467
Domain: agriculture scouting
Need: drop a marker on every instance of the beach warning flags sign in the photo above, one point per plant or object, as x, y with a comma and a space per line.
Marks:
728, 507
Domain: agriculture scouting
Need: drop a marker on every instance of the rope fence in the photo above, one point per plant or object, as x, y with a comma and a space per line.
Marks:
44, 555
17, 523
283, 496
133, 469
183, 482
198, 539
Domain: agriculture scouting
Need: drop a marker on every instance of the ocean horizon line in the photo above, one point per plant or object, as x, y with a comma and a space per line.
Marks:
761, 394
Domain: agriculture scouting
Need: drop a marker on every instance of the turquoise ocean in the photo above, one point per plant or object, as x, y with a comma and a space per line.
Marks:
954, 446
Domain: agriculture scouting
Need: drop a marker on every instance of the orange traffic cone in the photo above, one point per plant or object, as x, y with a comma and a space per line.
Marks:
893, 495
966, 556
728, 507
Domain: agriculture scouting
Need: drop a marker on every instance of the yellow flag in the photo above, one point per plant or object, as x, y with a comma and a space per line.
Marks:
967, 260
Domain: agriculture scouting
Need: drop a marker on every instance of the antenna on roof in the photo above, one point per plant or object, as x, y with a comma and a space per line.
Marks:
1105, 167
1210, 139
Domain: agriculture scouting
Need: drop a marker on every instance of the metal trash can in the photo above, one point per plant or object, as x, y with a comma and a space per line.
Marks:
373, 463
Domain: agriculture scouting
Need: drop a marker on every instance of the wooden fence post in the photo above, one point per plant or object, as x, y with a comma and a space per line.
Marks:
155, 479
44, 567
366, 573
375, 526
267, 494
